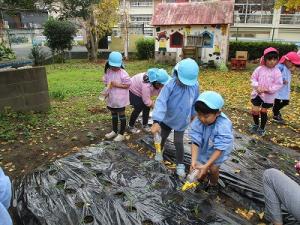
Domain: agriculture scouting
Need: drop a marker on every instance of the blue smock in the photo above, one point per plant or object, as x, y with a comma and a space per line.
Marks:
174, 105
5, 198
284, 92
217, 136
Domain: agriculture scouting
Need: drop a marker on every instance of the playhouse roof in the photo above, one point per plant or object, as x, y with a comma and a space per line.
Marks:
194, 13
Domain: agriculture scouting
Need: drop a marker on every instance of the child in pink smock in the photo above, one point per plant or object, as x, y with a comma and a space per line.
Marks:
117, 81
143, 87
266, 80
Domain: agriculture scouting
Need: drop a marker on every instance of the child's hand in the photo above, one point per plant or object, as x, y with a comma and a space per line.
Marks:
114, 84
262, 90
203, 170
193, 166
258, 90
155, 128
152, 104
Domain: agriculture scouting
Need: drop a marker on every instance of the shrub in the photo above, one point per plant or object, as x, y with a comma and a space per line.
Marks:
256, 49
6, 53
37, 55
80, 43
145, 48
60, 35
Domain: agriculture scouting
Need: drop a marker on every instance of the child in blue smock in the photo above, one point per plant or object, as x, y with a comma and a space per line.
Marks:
5, 197
287, 65
173, 108
212, 138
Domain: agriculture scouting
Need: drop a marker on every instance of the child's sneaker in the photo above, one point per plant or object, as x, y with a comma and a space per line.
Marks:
212, 189
261, 132
133, 130
147, 128
180, 170
278, 119
202, 186
120, 137
111, 135
253, 129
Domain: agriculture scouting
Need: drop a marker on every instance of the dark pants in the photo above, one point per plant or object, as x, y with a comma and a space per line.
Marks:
138, 107
278, 105
178, 141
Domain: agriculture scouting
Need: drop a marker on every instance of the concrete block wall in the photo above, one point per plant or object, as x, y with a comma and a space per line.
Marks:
165, 57
24, 89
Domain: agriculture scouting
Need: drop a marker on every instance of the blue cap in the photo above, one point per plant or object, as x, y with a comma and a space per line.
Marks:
212, 99
115, 59
187, 70
163, 76
152, 74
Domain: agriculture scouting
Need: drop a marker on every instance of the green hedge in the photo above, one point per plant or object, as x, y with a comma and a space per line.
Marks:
256, 49
145, 48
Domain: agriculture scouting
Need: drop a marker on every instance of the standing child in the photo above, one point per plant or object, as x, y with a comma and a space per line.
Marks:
118, 82
174, 107
5, 198
143, 87
212, 138
266, 80
288, 64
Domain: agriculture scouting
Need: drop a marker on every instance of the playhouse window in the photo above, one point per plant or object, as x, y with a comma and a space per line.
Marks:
207, 40
176, 40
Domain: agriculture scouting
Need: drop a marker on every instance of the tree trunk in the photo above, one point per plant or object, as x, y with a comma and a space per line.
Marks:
92, 40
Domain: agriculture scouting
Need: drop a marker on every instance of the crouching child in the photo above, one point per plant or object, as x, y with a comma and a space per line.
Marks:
212, 139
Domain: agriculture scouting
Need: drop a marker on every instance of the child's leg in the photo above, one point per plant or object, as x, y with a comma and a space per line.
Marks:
114, 117
165, 131
178, 142
122, 118
214, 175
256, 104
138, 106
263, 117
135, 114
278, 105
279, 190
284, 103
146, 111
255, 114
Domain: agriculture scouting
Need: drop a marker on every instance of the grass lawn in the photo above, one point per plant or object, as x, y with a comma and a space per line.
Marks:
77, 118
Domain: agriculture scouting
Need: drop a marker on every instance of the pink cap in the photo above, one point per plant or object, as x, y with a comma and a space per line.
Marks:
266, 51
291, 56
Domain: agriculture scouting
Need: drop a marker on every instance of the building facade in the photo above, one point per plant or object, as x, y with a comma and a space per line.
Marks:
259, 20
253, 19
186, 34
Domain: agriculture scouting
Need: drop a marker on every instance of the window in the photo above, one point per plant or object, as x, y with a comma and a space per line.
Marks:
208, 41
141, 3
253, 11
176, 40
194, 40
140, 19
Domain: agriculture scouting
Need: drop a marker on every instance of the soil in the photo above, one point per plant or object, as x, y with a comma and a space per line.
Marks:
22, 156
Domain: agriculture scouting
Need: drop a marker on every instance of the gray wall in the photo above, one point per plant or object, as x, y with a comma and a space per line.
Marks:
24, 89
